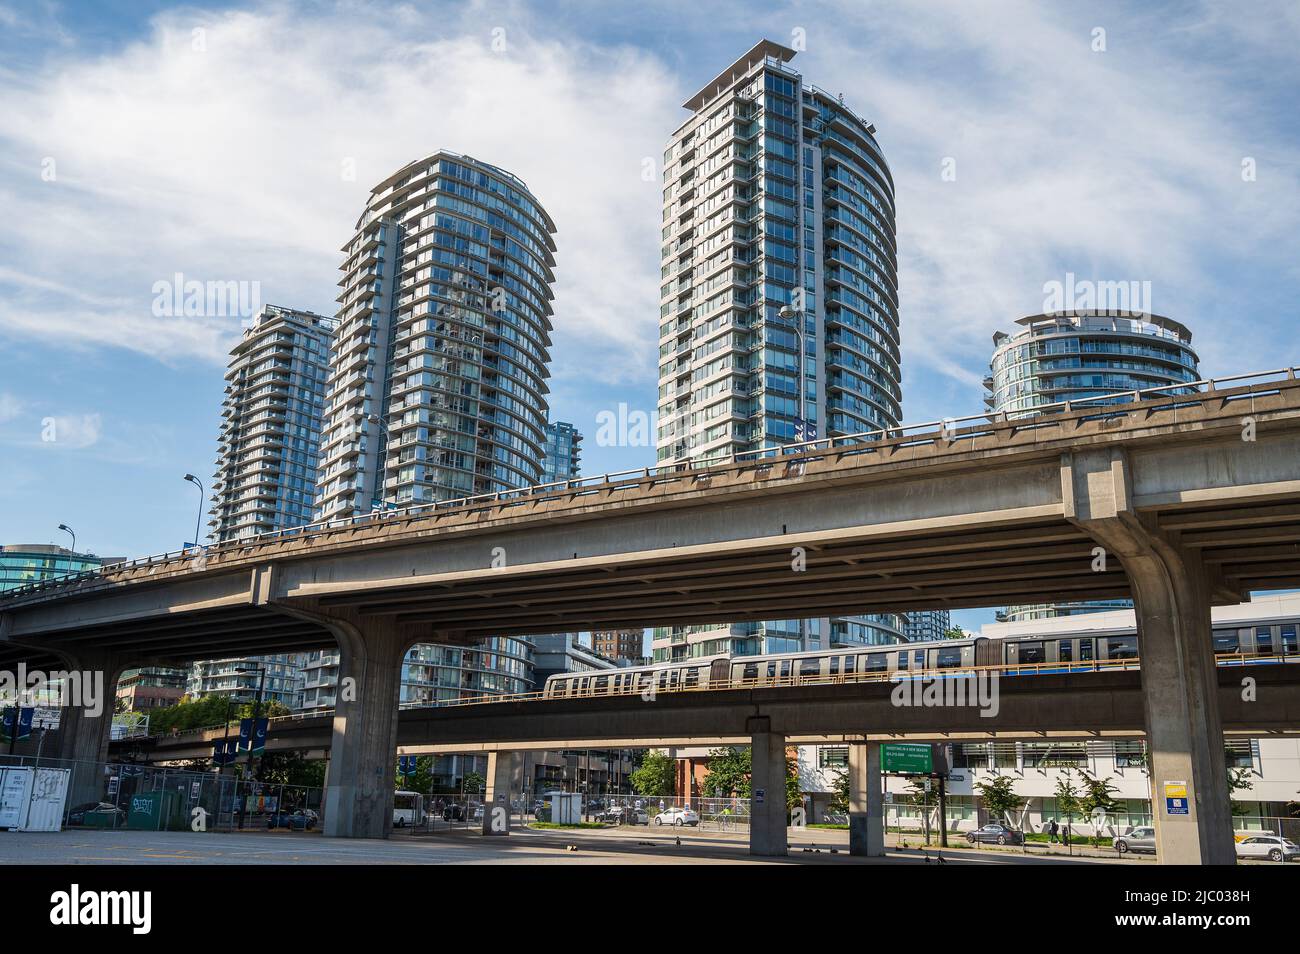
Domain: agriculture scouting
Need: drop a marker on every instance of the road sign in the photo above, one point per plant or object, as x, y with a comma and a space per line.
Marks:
1176, 798
909, 757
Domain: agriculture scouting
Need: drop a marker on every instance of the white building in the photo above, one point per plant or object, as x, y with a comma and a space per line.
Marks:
1271, 766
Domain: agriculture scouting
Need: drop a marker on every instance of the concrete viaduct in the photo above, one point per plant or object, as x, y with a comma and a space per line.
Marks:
1177, 502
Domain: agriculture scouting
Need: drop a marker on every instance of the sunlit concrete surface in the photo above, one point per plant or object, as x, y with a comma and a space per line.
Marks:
524, 846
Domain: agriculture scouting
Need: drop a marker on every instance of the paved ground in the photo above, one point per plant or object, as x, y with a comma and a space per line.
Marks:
613, 846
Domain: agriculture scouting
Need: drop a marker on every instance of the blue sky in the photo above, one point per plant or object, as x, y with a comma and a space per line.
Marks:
139, 140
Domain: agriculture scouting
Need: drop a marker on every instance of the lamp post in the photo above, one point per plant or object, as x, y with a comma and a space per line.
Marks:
376, 502
795, 317
199, 516
67, 529
796, 322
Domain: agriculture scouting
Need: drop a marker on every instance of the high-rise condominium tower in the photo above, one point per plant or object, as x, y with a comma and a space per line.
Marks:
778, 318
267, 455
268, 447
1077, 356
437, 385
437, 382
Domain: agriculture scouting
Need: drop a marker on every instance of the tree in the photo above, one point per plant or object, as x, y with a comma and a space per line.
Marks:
729, 773
840, 792
473, 783
1098, 795
1238, 780
793, 797
999, 799
656, 776
955, 632
1067, 795
923, 799
290, 768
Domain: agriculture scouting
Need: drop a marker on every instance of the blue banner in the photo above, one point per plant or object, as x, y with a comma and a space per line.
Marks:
406, 764
24, 719
260, 728
245, 733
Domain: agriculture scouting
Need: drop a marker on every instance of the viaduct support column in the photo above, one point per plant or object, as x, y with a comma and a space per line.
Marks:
767, 814
1189, 786
86, 719
866, 801
496, 802
362, 772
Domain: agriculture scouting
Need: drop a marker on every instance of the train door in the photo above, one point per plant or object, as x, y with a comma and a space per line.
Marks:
719, 674
988, 652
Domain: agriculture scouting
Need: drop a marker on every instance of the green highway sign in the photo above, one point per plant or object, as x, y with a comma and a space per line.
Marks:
911, 757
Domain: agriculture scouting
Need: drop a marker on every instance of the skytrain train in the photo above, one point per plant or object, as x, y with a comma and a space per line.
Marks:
1039, 654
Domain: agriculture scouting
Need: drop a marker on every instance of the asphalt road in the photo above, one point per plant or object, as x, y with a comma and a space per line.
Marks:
626, 846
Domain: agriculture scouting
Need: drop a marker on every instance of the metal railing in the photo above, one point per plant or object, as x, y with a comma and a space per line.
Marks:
875, 676
1185, 394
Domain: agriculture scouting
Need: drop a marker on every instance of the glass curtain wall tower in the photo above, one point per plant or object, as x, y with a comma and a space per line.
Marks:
437, 385
778, 298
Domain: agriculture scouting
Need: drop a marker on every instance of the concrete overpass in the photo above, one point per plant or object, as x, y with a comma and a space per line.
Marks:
1175, 501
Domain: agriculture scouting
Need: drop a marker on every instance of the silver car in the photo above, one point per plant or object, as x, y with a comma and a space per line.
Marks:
1267, 846
1137, 840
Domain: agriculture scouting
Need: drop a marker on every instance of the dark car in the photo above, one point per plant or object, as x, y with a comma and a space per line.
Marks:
97, 815
1137, 840
453, 812
995, 834
294, 821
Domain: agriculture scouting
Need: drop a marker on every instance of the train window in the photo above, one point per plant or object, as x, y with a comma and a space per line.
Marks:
1085, 650
785, 669
1289, 643
949, 656
1264, 640
1121, 647
850, 663
692, 678
876, 662
584, 683
918, 658
835, 665
771, 670
1031, 653
751, 671
1226, 642
810, 667
1065, 651
602, 683
902, 660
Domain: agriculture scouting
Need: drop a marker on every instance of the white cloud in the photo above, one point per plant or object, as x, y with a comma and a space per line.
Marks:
226, 165
10, 407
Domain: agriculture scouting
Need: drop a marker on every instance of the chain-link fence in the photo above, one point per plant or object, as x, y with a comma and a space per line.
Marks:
158, 798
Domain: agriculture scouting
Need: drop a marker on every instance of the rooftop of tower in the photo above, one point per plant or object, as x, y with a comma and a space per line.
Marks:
759, 52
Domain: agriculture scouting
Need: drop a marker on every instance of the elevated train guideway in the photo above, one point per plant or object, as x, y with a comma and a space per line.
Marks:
1174, 500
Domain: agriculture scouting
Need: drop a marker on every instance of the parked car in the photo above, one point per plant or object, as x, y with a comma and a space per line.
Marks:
625, 815
294, 821
1271, 847
97, 814
995, 834
677, 817
453, 812
1137, 840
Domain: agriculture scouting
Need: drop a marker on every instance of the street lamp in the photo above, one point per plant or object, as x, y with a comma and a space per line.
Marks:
68, 529
199, 517
796, 322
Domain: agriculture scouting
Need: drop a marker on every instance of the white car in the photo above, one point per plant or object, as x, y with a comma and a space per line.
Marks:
1267, 846
677, 817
